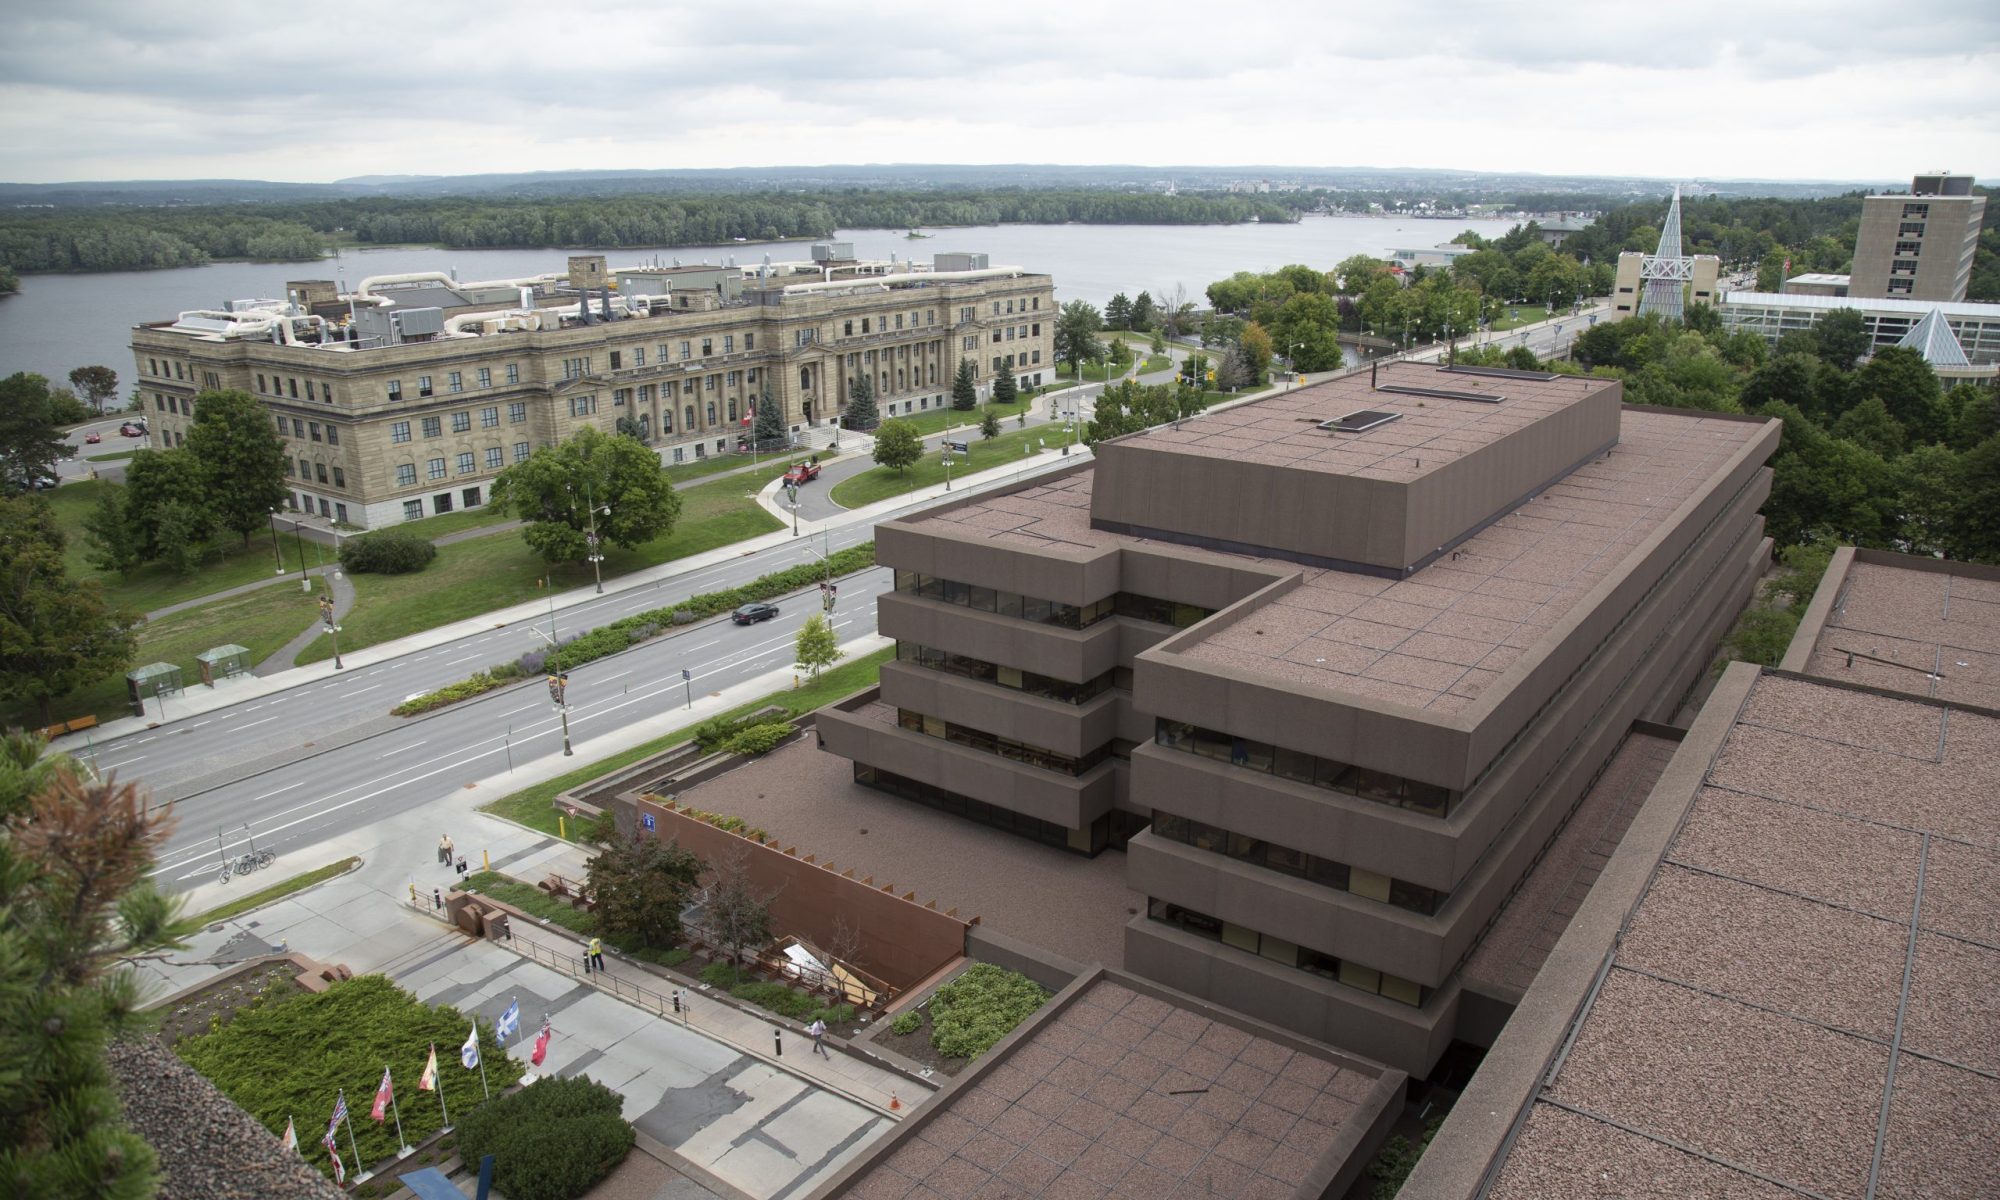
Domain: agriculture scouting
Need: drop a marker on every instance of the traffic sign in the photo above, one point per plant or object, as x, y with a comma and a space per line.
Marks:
646, 820
685, 676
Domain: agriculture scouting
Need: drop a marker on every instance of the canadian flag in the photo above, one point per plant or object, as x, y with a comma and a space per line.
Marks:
541, 1044
383, 1095
428, 1081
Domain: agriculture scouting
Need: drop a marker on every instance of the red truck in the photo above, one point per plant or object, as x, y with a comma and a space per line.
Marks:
802, 472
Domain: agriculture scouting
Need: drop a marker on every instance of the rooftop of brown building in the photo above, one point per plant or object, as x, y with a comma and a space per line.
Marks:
1934, 633
1801, 1001
1073, 906
1425, 433
1122, 1088
1439, 638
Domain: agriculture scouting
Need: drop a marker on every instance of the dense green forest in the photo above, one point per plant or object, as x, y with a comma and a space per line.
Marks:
132, 238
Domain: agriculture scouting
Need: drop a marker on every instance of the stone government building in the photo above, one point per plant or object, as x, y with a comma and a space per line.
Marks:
406, 398
1333, 667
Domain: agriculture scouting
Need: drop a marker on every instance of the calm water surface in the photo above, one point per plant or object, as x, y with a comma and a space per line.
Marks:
58, 322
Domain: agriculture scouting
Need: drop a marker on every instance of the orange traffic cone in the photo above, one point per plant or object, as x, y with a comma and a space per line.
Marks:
895, 1105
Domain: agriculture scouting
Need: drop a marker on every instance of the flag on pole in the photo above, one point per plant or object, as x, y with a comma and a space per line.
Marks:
339, 1167
291, 1141
428, 1081
383, 1095
541, 1044
469, 1053
339, 1114
509, 1024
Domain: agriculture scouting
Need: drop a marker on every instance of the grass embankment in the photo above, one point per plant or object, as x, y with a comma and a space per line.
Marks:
535, 806
479, 575
432, 528
1528, 315
940, 419
277, 891
1009, 449
113, 456
153, 586
531, 900
261, 621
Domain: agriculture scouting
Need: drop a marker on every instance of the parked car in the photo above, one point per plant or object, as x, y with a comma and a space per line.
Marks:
91, 439
801, 472
750, 614
132, 429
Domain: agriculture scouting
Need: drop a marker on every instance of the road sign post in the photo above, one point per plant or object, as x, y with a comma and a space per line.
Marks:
687, 681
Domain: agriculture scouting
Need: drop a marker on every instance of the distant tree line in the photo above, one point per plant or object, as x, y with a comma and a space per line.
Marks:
130, 238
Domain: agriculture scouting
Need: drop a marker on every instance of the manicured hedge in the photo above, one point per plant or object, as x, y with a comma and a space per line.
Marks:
465, 689
386, 553
552, 1140
980, 1007
758, 739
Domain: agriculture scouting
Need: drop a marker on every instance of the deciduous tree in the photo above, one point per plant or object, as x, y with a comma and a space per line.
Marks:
736, 911
241, 457
640, 885
555, 489
30, 443
1842, 336
897, 446
817, 647
1076, 341
97, 385
168, 508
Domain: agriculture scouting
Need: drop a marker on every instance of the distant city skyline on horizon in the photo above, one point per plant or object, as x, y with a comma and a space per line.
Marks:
1751, 92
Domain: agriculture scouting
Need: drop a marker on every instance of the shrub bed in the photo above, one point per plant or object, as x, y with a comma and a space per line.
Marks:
980, 1007
552, 1140
387, 553
289, 1052
480, 683
758, 739
802, 1007
531, 900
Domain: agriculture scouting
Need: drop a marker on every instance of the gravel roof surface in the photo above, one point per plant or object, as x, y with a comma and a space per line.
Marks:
1127, 1093
209, 1148
1440, 639
1511, 952
806, 797
1283, 430
1757, 995
1919, 624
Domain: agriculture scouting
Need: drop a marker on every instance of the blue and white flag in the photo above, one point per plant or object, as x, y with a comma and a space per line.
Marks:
509, 1023
469, 1053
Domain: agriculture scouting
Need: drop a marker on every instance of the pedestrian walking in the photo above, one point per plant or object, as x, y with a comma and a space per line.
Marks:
818, 1031
597, 953
445, 849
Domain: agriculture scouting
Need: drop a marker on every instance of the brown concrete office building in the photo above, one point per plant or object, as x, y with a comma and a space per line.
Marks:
1332, 667
1919, 244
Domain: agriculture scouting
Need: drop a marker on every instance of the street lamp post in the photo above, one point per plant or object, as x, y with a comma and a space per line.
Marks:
558, 687
298, 540
596, 557
276, 553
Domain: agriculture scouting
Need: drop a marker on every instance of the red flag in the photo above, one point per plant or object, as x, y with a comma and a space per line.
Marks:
383, 1095
339, 1168
541, 1045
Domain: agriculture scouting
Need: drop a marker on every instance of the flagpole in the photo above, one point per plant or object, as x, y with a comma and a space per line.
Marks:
482, 1078
361, 1168
402, 1142
441, 1107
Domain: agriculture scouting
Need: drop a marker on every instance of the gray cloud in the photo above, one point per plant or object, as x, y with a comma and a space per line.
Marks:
105, 89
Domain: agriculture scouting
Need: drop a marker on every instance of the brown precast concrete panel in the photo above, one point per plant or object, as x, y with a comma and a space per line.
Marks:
1409, 1039
937, 549
1689, 596
1191, 576
1326, 919
1499, 714
1071, 654
1069, 801
1072, 729
1327, 824
905, 940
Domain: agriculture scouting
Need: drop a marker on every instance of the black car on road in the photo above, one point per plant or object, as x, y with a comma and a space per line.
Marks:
750, 614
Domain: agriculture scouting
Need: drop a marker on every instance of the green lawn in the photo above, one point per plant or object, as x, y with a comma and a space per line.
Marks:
1530, 313
111, 457
535, 806
531, 900
153, 586
453, 522
1009, 449
481, 574
262, 621
938, 420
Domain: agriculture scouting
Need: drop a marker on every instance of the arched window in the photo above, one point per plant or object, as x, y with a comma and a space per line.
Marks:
805, 379
689, 417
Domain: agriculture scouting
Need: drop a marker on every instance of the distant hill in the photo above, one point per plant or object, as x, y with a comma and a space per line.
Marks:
903, 176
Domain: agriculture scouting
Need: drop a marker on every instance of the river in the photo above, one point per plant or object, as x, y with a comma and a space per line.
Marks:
58, 322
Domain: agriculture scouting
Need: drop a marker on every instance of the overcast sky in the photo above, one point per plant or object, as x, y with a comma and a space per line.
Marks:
1674, 88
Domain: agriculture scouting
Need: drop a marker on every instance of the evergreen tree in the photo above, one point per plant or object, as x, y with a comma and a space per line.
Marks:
112, 545
56, 633
769, 426
1118, 313
1145, 313
1005, 389
861, 412
73, 861
964, 391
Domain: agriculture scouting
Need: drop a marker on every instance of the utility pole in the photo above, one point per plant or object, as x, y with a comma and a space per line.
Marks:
558, 682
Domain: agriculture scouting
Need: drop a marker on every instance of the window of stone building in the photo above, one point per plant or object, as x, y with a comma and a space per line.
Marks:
513, 373
455, 381
435, 468
406, 474
489, 418
521, 452
413, 510
433, 427
495, 458
486, 377
423, 385
466, 465
517, 413
749, 341
319, 471
339, 478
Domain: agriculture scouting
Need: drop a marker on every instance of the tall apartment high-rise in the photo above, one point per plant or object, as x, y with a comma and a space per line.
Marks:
1918, 245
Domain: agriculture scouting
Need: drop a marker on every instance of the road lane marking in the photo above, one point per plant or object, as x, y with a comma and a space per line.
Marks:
104, 766
468, 658
357, 691
393, 753
253, 724
267, 795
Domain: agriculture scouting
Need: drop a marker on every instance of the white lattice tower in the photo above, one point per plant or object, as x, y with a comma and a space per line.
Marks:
1665, 273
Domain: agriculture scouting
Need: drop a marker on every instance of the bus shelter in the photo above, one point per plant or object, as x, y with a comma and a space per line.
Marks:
221, 662
153, 679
